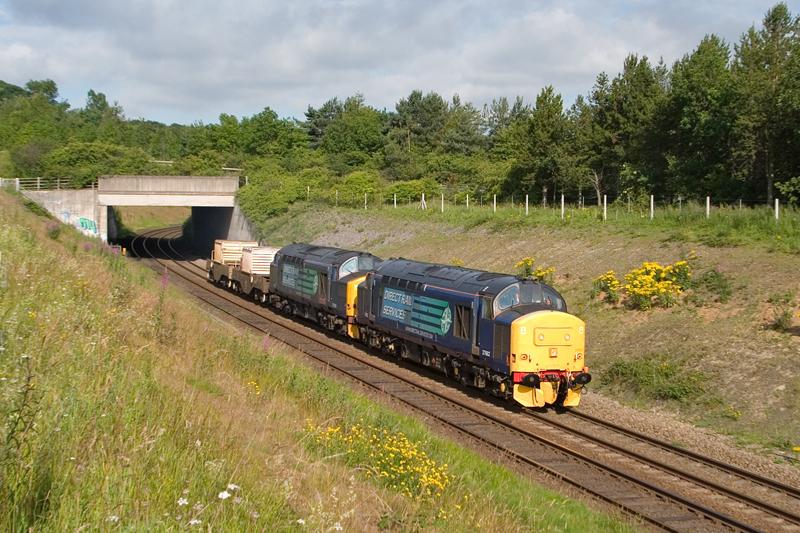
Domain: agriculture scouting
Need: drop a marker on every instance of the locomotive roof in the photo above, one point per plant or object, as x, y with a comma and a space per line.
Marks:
447, 277
321, 254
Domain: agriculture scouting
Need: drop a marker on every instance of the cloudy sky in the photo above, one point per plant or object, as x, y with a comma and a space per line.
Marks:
190, 61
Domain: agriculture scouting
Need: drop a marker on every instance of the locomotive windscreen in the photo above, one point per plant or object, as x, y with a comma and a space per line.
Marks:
518, 294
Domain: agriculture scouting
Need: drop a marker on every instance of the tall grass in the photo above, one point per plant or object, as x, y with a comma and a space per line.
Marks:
122, 407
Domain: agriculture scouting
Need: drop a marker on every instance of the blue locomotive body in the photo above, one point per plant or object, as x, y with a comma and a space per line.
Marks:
446, 312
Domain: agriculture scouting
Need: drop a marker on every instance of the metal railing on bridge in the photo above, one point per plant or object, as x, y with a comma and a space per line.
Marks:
44, 184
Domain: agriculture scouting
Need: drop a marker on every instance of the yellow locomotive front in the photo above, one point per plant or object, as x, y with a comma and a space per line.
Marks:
547, 358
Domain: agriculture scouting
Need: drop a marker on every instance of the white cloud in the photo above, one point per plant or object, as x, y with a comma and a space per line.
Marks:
187, 61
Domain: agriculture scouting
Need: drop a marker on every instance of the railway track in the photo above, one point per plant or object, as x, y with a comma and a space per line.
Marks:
668, 487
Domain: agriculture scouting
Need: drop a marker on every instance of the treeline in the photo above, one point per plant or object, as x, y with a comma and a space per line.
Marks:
722, 121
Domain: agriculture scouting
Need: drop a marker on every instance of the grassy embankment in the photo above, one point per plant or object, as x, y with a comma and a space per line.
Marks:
716, 358
123, 406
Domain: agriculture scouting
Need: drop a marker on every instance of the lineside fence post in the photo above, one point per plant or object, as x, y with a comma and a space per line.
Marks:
16, 183
494, 204
365, 200
467, 200
562, 206
777, 210
652, 207
605, 207
526, 205
395, 200
442, 202
708, 206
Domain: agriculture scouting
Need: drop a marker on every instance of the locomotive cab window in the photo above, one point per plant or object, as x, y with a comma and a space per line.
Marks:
348, 267
517, 294
463, 323
553, 299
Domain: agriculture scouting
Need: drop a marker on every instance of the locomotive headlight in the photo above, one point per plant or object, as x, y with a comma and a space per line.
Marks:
541, 337
567, 337
582, 379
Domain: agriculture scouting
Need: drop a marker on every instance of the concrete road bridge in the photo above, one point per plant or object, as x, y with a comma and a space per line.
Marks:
215, 212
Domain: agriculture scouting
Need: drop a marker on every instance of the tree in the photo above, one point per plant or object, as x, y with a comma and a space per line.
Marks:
762, 59
499, 115
8, 91
543, 161
699, 117
97, 108
46, 88
318, 120
419, 121
635, 97
462, 129
84, 162
354, 136
597, 148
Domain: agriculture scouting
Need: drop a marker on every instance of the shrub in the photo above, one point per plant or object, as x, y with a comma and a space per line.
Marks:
53, 230
783, 312
608, 285
656, 377
712, 282
654, 284
526, 269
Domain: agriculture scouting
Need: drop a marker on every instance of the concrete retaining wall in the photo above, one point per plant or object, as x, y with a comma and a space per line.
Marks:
78, 208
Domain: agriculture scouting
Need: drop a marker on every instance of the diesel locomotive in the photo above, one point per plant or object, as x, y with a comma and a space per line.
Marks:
512, 337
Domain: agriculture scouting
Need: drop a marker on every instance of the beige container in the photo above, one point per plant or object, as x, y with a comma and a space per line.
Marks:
258, 260
230, 252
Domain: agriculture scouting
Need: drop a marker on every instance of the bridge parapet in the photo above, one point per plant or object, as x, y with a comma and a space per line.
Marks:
205, 191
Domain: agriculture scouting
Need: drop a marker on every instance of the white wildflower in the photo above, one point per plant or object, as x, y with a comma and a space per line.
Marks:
233, 486
182, 502
185, 492
301, 521
224, 495
195, 522
337, 526
197, 443
255, 514
113, 519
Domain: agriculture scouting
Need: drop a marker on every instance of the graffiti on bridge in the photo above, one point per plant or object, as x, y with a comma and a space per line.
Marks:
87, 224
